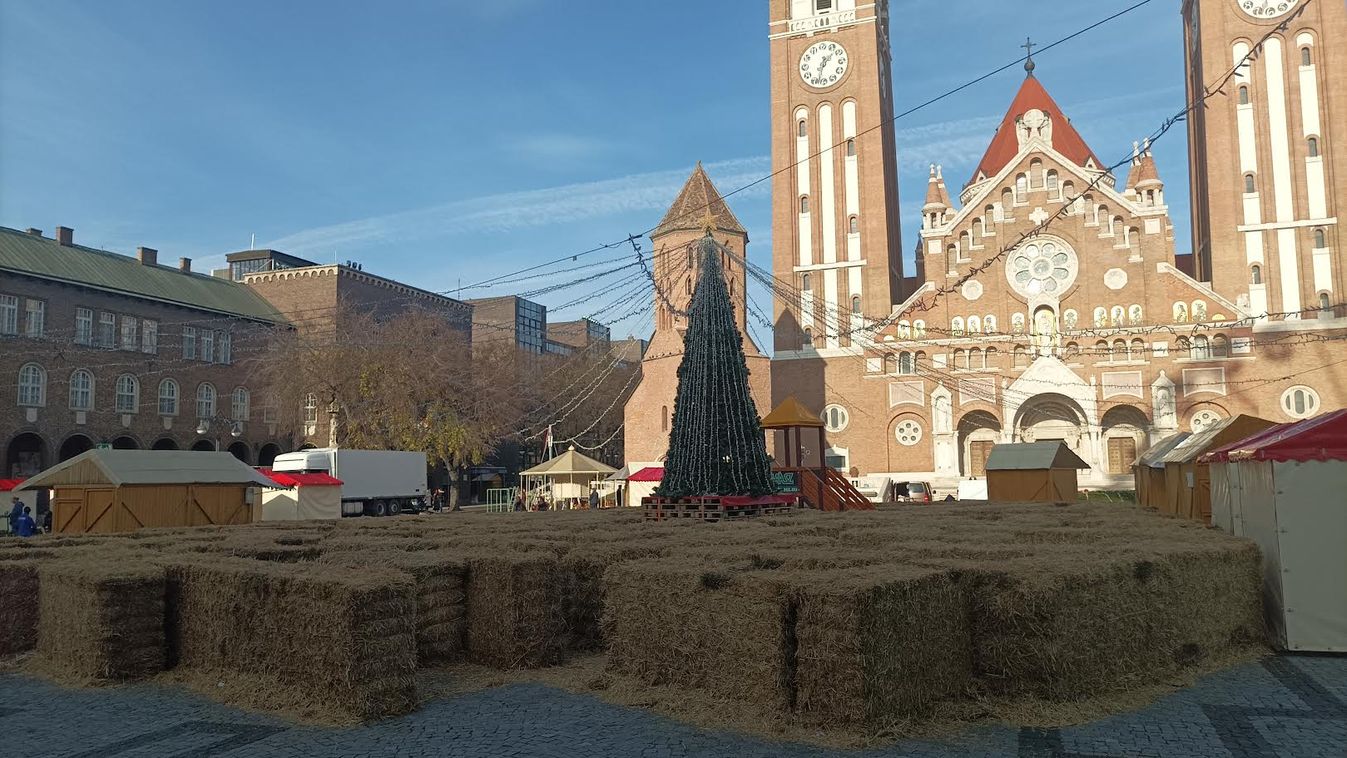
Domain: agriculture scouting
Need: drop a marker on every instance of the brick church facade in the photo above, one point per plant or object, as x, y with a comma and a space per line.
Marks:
1092, 329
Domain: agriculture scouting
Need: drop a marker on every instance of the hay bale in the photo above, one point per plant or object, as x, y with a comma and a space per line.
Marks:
876, 645
440, 580
18, 606
705, 627
101, 621
515, 613
583, 590
330, 643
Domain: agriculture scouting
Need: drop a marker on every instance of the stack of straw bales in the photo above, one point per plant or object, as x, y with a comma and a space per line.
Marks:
101, 621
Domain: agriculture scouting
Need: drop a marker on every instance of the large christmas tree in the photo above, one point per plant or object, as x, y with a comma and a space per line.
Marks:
716, 446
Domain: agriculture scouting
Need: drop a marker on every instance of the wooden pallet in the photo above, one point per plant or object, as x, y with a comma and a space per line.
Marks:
710, 509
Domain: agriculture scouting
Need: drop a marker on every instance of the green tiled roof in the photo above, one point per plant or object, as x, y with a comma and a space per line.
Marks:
44, 257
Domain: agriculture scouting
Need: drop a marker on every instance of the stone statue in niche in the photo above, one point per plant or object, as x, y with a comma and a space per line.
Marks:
1165, 414
944, 415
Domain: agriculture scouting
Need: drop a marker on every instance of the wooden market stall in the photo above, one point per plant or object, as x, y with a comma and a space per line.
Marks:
1148, 472
1284, 489
302, 497
1187, 481
105, 491
1033, 472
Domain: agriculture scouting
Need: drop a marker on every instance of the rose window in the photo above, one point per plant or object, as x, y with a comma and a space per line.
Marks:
1042, 268
908, 432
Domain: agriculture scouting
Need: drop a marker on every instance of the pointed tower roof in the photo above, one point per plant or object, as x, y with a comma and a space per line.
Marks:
698, 198
1005, 145
1143, 171
937, 195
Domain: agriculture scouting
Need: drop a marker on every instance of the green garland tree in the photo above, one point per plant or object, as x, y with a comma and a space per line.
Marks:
716, 445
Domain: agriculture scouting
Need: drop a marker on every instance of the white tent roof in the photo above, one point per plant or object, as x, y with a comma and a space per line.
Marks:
570, 463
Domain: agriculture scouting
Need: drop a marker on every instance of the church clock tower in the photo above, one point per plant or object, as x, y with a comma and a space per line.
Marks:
835, 228
1269, 181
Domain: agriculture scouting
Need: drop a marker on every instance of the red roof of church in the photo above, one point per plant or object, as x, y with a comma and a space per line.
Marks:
1005, 145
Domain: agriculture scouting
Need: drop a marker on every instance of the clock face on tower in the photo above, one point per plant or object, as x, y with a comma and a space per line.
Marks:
823, 64
1266, 8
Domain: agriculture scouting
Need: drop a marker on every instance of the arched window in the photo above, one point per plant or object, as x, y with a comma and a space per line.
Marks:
205, 400
241, 406
890, 363
1054, 189
1101, 351
1306, 57
905, 364
1133, 236
851, 148
1320, 239
1249, 186
1070, 318
128, 394
1020, 355
168, 398
1100, 317
904, 330
1119, 350
854, 225
1220, 346
310, 408
1199, 310
1184, 345
1201, 349
965, 241
1017, 323
919, 329
974, 325
32, 386
1255, 274
918, 360
1007, 200
802, 131
808, 336
956, 326
960, 359
1116, 316
1243, 95
988, 217
81, 390
989, 324
1324, 304
1180, 313
976, 359
856, 304
1138, 350
1072, 350
1134, 315
1312, 146
804, 283
952, 252
1116, 226
1021, 188
1036, 171
804, 203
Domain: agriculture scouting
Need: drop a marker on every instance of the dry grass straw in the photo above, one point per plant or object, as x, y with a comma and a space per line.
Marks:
516, 618
18, 606
100, 620
583, 589
326, 643
440, 579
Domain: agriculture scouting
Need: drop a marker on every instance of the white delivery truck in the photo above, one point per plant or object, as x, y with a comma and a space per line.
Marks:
374, 482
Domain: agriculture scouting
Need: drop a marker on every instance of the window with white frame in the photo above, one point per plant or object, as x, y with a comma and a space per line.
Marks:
9, 314
107, 330
208, 346
36, 323
836, 418
32, 386
226, 348
149, 336
128, 394
81, 390
269, 411
168, 398
129, 341
1300, 402
310, 408
205, 400
189, 343
241, 405
84, 326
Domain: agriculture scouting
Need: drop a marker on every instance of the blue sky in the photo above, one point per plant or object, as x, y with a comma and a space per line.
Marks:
441, 143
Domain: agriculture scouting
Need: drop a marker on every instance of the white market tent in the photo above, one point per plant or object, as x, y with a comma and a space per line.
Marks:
1283, 488
569, 475
306, 497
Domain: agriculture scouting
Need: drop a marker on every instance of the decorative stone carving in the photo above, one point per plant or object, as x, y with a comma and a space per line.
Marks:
972, 290
1115, 278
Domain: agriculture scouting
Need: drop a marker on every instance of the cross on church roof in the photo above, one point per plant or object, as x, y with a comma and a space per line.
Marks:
1029, 45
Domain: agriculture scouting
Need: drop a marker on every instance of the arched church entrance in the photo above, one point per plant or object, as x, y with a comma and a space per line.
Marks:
979, 431
1126, 434
1054, 418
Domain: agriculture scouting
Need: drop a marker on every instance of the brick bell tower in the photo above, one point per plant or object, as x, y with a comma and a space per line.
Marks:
835, 227
1269, 183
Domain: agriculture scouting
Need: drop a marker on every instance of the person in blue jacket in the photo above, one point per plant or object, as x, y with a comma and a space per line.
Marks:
15, 511
24, 526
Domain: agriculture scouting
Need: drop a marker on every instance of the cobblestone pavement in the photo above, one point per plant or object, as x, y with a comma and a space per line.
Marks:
1287, 706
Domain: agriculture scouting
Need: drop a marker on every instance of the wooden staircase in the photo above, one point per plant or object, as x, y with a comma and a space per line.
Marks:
833, 492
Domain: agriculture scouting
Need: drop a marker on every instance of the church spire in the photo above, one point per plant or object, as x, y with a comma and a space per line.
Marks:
1029, 65
697, 201
1143, 178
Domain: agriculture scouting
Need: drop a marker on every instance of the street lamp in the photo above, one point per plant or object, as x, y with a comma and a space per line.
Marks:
206, 424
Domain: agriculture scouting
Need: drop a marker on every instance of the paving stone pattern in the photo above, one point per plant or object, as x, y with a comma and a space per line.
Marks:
1285, 706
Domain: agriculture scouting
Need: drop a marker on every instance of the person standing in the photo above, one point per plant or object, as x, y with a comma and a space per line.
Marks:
24, 526
15, 511
593, 500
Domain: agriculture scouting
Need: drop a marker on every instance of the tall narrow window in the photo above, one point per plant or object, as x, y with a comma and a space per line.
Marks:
1243, 95
1201, 349
226, 342
804, 203
9, 314
205, 400
168, 398
905, 363
664, 418
32, 386
1312, 145
81, 390
804, 282
1220, 346
1053, 186
107, 330
1323, 301
854, 225
802, 131
1249, 187
310, 408
128, 394
1320, 239
851, 148
1306, 57
36, 325
1021, 188
856, 304
129, 341
241, 405
189, 343
84, 326
1255, 274
149, 336
207, 346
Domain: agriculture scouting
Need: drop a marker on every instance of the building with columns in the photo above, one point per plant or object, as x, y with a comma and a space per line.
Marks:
1086, 330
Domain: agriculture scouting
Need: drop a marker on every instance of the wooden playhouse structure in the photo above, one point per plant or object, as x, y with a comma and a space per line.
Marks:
1033, 472
1187, 480
107, 491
